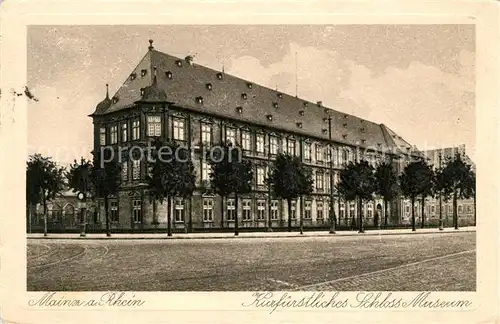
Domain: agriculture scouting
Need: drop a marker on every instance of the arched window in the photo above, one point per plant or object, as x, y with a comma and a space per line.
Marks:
56, 213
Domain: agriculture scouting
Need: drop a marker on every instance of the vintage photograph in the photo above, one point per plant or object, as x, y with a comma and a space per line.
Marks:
251, 157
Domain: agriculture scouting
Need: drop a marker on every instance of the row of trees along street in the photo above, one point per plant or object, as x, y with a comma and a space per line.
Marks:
232, 175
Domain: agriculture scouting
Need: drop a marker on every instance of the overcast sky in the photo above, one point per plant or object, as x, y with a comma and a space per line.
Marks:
419, 80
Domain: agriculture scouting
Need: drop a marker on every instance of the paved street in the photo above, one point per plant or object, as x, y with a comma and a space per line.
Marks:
444, 261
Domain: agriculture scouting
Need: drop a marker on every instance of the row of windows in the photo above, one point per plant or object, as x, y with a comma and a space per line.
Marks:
154, 129
137, 214
448, 208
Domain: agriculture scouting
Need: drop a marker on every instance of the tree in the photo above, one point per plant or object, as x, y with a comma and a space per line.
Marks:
289, 179
386, 185
44, 181
458, 182
171, 174
106, 180
357, 182
427, 188
415, 181
79, 179
230, 174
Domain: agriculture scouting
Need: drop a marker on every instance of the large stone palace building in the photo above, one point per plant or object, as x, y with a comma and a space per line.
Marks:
175, 98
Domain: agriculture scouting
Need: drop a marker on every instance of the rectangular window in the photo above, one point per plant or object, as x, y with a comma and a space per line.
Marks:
319, 210
178, 129
342, 210
206, 133
433, 209
307, 209
245, 141
326, 154
179, 210
319, 181
307, 151
113, 135
352, 210
294, 209
274, 210
137, 205
205, 171
113, 206
407, 209
231, 212
260, 175
460, 208
291, 147
261, 207
208, 209
260, 143
247, 210
345, 156
124, 132
154, 126
469, 209
319, 153
327, 182
135, 130
125, 171
136, 169
102, 136
231, 136
273, 145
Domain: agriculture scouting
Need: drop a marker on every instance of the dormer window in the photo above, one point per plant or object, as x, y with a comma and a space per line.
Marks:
199, 99
178, 63
144, 72
344, 136
345, 125
362, 129
299, 125
115, 99
363, 141
275, 104
345, 116
249, 85
219, 76
306, 104
239, 110
208, 86
324, 130
168, 75
133, 76
379, 144
280, 95
244, 96
269, 117
301, 112
325, 120
142, 91
326, 110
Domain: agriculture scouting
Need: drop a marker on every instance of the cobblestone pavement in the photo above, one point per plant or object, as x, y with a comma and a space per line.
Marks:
444, 262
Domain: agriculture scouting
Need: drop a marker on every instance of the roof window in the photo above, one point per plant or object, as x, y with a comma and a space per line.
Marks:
144, 72
169, 75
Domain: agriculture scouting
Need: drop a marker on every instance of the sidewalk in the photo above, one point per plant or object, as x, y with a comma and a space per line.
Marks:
243, 235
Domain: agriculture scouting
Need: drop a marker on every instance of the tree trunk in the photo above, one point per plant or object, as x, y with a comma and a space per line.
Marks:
422, 221
353, 218
236, 232
385, 213
333, 219
360, 215
222, 212
45, 230
190, 224
301, 216
155, 211
474, 197
169, 217
106, 214
413, 228
289, 201
30, 215
455, 214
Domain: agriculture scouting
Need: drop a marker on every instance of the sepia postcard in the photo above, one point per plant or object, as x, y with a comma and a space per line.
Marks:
221, 162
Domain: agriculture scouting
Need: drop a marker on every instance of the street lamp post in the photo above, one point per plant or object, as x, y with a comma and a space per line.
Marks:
331, 207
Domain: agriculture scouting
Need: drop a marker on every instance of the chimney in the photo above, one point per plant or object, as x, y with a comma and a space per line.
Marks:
151, 45
189, 59
319, 103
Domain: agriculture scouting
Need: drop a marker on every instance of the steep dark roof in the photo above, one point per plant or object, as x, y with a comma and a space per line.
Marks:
104, 105
228, 96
